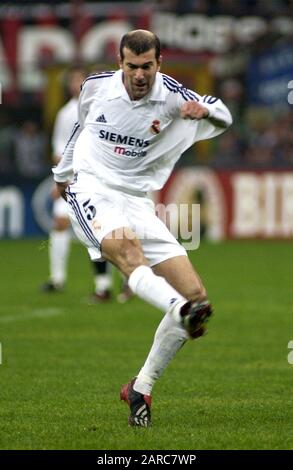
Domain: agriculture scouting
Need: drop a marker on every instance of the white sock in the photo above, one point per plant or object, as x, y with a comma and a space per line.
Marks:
154, 289
169, 338
59, 244
103, 282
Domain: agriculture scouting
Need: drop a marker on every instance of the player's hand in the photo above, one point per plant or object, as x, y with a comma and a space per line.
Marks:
61, 188
193, 110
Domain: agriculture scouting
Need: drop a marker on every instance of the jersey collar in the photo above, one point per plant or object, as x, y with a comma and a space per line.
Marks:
118, 90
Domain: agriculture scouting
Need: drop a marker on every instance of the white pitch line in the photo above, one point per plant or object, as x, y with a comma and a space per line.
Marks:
37, 313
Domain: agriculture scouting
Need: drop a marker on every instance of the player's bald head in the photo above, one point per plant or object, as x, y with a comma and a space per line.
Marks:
139, 41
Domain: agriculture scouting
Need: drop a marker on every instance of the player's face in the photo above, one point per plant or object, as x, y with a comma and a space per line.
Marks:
139, 72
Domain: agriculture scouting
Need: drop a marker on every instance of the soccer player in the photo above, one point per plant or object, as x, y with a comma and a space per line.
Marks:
133, 126
60, 235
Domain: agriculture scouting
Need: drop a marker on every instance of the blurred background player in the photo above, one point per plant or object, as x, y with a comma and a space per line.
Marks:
61, 234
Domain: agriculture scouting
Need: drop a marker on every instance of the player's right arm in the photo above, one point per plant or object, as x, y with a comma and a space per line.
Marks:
63, 172
58, 142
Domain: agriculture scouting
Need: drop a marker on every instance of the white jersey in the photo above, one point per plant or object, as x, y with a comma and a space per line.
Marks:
66, 117
135, 144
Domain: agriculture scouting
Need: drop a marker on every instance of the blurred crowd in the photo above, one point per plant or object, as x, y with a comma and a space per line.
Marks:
207, 7
261, 136
265, 142
236, 8
252, 79
23, 149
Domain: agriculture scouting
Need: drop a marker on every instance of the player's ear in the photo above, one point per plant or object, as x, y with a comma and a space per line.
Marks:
120, 61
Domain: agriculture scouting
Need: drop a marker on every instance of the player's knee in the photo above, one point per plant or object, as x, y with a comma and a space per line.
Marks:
198, 293
130, 256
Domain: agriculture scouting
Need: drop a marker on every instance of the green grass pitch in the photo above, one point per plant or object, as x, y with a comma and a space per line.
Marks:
63, 360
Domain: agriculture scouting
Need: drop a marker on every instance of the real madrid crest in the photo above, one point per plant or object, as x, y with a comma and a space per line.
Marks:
155, 127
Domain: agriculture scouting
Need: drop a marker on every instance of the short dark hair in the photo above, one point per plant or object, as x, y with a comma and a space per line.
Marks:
140, 41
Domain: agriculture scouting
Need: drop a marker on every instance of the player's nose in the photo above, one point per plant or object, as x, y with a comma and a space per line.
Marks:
139, 74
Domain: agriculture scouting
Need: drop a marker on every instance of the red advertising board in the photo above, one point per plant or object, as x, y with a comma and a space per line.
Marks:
236, 204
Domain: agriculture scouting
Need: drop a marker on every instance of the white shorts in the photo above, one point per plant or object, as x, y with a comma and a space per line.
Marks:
95, 210
60, 208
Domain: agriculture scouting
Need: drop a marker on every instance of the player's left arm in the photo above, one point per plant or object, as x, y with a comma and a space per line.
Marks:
211, 108
211, 114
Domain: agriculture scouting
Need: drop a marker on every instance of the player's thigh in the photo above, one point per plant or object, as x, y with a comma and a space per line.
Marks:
180, 273
157, 241
84, 231
124, 250
94, 217
166, 256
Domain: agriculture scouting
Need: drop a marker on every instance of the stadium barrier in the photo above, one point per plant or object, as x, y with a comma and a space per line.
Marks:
233, 204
